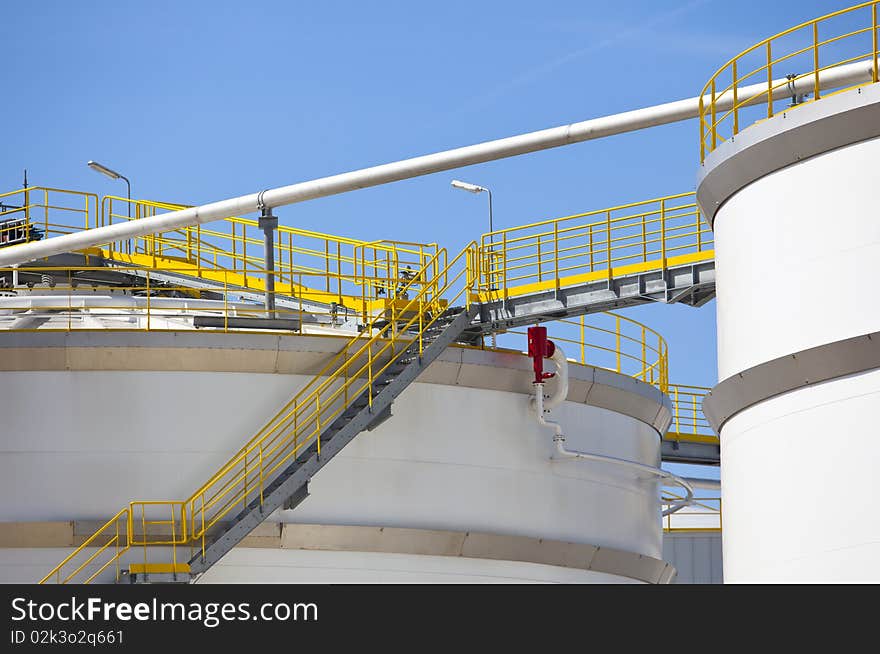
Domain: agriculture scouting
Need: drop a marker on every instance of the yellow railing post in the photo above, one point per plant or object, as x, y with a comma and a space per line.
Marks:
712, 109
244, 481
698, 227
540, 276
735, 83
583, 344
27, 207
876, 73
339, 270
617, 340
173, 536
677, 408
644, 355
318, 420
663, 234
702, 112
262, 485
590, 230
608, 242
148, 300
46, 210
815, 60
144, 531
504, 264
69, 300
769, 83
202, 530
556, 252
116, 566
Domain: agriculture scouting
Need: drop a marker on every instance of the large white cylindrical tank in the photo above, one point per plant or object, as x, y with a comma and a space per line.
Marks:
458, 485
794, 206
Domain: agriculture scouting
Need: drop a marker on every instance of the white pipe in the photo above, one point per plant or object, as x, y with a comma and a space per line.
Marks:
595, 128
706, 484
561, 393
559, 441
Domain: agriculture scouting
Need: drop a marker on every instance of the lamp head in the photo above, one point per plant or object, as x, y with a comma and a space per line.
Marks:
470, 188
112, 174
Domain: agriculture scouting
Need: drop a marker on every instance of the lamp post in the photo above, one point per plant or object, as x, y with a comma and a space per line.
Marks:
112, 174
474, 188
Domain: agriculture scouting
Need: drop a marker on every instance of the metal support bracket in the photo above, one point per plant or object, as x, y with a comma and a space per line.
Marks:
268, 223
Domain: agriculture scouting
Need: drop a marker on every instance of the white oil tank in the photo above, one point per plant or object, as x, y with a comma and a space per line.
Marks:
793, 202
459, 485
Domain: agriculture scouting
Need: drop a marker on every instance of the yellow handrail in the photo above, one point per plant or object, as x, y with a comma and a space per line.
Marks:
36, 212
597, 245
613, 342
339, 268
688, 420
797, 48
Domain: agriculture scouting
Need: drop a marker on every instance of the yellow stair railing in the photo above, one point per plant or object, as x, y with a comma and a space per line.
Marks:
298, 425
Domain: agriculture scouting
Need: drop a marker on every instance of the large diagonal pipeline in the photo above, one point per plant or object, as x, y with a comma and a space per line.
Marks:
587, 130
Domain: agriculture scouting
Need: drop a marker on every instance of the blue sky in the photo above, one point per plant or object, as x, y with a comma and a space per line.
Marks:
199, 101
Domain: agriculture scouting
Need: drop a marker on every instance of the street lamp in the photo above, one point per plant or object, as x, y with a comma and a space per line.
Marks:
112, 174
473, 188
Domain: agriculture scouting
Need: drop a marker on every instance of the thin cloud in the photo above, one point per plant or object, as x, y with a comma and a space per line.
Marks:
533, 74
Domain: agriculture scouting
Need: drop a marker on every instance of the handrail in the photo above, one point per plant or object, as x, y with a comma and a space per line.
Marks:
42, 211
340, 268
797, 48
688, 420
613, 342
230, 249
629, 238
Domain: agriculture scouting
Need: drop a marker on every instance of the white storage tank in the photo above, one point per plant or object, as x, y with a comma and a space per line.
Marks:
458, 485
793, 202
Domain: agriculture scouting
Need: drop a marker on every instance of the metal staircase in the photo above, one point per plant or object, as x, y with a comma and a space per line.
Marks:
370, 408
353, 392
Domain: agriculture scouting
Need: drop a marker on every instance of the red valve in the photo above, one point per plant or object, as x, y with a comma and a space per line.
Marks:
540, 348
